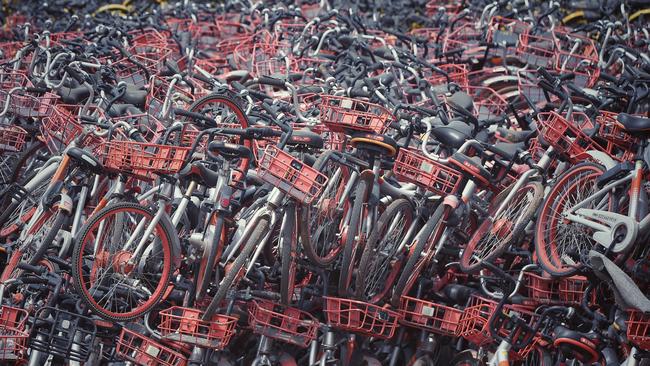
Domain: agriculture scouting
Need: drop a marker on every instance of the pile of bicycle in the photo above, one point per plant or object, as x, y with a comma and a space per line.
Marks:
317, 183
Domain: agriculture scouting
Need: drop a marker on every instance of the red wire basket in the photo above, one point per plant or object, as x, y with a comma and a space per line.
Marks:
638, 329
488, 103
282, 323
290, 175
617, 142
341, 114
567, 136
542, 289
360, 317
466, 38
572, 289
506, 31
430, 316
577, 54
140, 159
521, 334
527, 85
131, 73
473, 324
144, 351
147, 41
58, 39
12, 138
537, 50
458, 73
412, 166
13, 337
63, 126
185, 325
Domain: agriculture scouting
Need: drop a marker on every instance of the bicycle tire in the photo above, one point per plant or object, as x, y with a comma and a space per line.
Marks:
411, 270
164, 234
495, 228
309, 238
565, 186
289, 247
370, 250
260, 230
350, 248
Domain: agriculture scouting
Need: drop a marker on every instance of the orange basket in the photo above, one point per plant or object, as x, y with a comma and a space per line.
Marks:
13, 337
282, 323
616, 141
341, 114
185, 325
458, 73
140, 159
360, 317
566, 136
131, 73
466, 38
523, 337
63, 126
26, 104
430, 316
572, 289
412, 166
290, 175
542, 289
473, 324
638, 329
12, 138
144, 351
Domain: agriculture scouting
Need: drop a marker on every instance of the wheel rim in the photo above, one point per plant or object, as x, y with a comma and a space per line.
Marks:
116, 282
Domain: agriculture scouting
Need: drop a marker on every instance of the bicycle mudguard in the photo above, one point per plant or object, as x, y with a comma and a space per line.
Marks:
602, 158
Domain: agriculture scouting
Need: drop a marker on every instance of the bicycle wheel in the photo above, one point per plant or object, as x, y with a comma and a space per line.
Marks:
419, 252
320, 222
38, 240
560, 244
235, 271
380, 262
30, 161
117, 281
288, 262
351, 246
496, 234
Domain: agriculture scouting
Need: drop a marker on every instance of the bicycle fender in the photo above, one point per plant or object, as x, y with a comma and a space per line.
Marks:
602, 158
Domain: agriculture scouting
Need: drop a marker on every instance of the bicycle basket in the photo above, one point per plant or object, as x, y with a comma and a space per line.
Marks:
566, 136
283, 323
341, 114
638, 329
13, 337
290, 175
12, 138
430, 316
473, 324
412, 166
360, 317
185, 325
144, 351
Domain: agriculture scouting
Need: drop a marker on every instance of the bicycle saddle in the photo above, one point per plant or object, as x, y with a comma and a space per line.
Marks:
634, 124
626, 292
381, 144
452, 135
85, 159
306, 138
200, 173
461, 100
228, 151
472, 168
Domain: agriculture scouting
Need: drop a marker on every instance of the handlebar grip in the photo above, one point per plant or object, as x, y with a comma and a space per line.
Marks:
36, 90
608, 77
358, 92
195, 116
29, 268
545, 74
567, 76
266, 80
